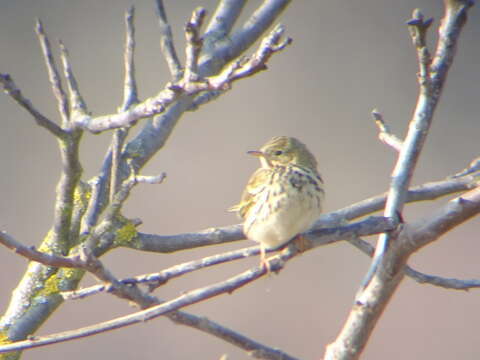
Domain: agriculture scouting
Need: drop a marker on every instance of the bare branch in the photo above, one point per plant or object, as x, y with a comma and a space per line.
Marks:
446, 218
430, 90
186, 299
112, 211
316, 238
214, 57
32, 254
194, 44
394, 248
53, 74
428, 191
157, 104
385, 135
254, 348
166, 43
474, 166
258, 22
371, 302
218, 235
11, 89
418, 28
157, 279
124, 290
78, 106
130, 95
446, 283
224, 18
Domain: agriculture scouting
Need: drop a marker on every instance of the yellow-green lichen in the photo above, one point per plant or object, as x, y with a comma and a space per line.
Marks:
125, 234
4, 338
71, 274
82, 195
51, 286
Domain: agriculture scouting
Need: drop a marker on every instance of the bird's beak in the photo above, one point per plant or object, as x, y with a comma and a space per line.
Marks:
255, 153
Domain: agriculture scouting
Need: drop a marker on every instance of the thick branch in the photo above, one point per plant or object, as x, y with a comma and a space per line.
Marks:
224, 18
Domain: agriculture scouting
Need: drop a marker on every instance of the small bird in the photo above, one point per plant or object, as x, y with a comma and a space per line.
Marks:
284, 197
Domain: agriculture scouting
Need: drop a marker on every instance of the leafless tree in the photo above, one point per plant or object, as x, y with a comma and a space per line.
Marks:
88, 219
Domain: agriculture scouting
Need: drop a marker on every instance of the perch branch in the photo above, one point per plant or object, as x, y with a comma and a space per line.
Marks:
218, 235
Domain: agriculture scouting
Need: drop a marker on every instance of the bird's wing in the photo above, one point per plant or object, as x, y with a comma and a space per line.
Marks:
257, 182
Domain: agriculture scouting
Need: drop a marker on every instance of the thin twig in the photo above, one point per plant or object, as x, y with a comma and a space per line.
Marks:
53, 74
194, 44
166, 43
14, 92
157, 279
77, 104
384, 134
130, 97
473, 167
418, 28
421, 278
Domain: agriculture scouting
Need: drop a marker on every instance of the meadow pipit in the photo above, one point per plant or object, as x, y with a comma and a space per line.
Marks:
284, 197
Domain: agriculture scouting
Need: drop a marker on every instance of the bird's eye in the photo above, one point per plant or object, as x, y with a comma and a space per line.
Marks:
278, 152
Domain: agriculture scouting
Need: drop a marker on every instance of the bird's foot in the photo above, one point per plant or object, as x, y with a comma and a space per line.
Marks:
301, 243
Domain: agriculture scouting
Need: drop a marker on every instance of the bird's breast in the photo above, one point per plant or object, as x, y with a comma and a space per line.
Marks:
286, 205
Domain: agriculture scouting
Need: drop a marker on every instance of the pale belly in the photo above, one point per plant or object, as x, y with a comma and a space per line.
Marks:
291, 217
